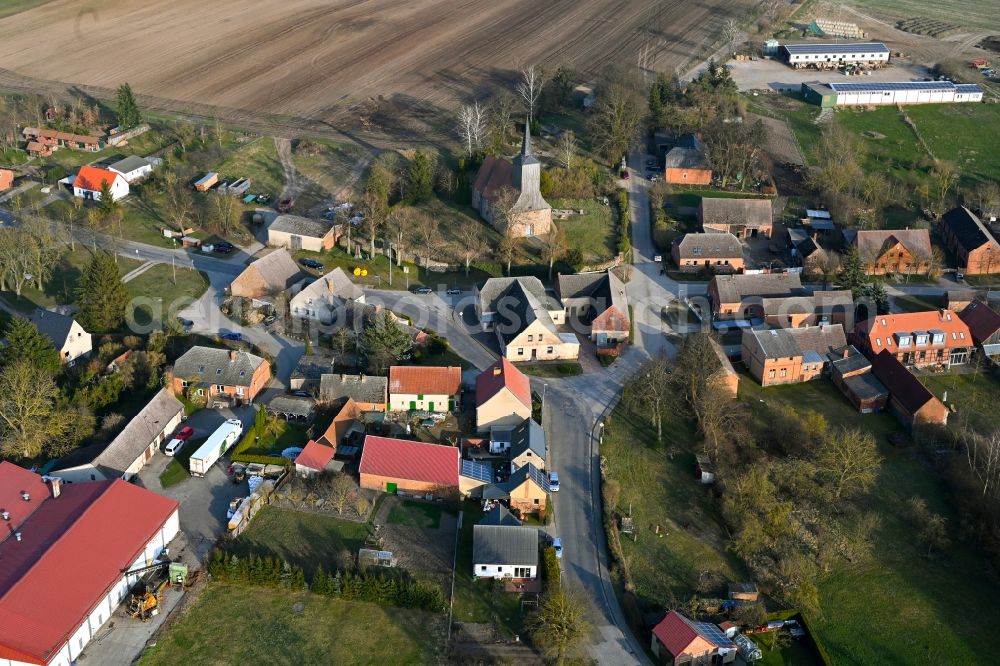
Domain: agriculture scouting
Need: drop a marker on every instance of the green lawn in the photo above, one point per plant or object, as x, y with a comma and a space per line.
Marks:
415, 514
480, 601
272, 444
963, 133
972, 395
592, 233
258, 161
308, 540
177, 469
551, 369
250, 625
800, 116
909, 303
163, 295
892, 146
331, 167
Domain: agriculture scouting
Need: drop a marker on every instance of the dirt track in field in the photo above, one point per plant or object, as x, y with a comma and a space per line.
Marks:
325, 59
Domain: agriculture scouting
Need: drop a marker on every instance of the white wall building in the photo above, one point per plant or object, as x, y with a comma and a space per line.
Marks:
826, 56
905, 92
504, 551
88, 182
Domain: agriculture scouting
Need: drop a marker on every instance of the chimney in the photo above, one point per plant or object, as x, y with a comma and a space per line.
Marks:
232, 354
17, 535
25, 496
5, 514
56, 484
497, 371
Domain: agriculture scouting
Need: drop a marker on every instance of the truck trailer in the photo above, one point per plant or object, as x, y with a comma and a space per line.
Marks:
206, 182
215, 447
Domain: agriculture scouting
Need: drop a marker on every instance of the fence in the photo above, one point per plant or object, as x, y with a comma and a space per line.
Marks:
117, 139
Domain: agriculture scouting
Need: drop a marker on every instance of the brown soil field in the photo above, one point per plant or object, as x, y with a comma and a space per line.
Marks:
317, 59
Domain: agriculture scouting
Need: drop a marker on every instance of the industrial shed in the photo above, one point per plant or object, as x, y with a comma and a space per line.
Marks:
828, 56
830, 95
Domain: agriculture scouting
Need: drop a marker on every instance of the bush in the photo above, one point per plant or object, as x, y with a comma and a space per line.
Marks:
569, 369
606, 359
550, 567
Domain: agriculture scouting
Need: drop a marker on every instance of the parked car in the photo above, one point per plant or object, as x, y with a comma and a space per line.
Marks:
557, 544
269, 319
235, 337
301, 394
174, 446
223, 247
454, 291
186, 323
311, 263
421, 290
184, 433
651, 162
553, 482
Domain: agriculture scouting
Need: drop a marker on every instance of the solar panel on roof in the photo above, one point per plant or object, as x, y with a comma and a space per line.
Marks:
477, 470
892, 85
713, 633
968, 88
867, 47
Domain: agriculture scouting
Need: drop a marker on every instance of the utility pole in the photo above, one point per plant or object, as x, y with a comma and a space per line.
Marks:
390, 263
173, 267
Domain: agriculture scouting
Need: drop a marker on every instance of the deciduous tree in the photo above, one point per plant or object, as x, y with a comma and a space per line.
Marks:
649, 392
554, 246
505, 221
849, 461
615, 121
930, 527
558, 625
472, 124
529, 87
29, 419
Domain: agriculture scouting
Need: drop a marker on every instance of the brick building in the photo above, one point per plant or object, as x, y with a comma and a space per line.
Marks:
974, 247
744, 218
267, 276
790, 355
909, 400
851, 372
533, 215
904, 251
220, 376
921, 339
715, 252
393, 465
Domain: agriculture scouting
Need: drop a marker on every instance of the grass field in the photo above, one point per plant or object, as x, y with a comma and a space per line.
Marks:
921, 606
167, 296
258, 161
330, 168
273, 443
963, 133
970, 13
234, 624
892, 146
592, 233
415, 514
972, 395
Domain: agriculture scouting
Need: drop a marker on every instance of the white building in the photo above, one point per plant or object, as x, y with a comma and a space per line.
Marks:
67, 336
828, 56
88, 182
132, 168
904, 92
504, 551
424, 388
329, 299
64, 552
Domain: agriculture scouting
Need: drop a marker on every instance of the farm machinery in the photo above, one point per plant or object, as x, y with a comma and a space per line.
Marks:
152, 581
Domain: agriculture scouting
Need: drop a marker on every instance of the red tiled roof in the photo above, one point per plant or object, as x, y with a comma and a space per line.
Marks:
499, 375
674, 633
494, 175
341, 422
982, 320
415, 461
72, 552
416, 380
956, 333
90, 178
315, 456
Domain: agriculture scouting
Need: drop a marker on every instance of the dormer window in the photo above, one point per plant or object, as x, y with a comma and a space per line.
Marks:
218, 371
201, 368
878, 342
904, 339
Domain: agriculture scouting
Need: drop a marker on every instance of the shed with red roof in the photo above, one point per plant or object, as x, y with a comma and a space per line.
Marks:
64, 557
503, 396
678, 640
88, 182
314, 459
393, 465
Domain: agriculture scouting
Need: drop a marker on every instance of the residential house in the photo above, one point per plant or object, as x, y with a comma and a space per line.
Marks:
909, 400
134, 446
65, 550
308, 372
270, 275
220, 376
369, 391
315, 459
344, 424
6, 179
503, 396
596, 304
133, 168
394, 465
687, 163
923, 339
974, 247
984, 327
726, 376
327, 300
744, 218
715, 252
89, 180
294, 232
527, 489
524, 319
790, 355
499, 515
679, 641
532, 215
815, 259
527, 445
851, 372
67, 336
904, 251
473, 476
740, 296
424, 388
820, 307
504, 552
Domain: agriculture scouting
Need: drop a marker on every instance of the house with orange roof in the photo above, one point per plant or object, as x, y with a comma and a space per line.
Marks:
429, 389
503, 396
923, 339
88, 182
342, 424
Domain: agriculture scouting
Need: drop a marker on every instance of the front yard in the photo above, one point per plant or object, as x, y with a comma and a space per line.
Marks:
592, 233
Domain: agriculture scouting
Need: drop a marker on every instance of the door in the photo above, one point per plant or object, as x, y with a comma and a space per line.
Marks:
413, 405
430, 406
390, 488
296, 242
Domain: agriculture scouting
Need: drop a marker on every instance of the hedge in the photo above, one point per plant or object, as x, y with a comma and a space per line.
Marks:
550, 567
249, 438
624, 222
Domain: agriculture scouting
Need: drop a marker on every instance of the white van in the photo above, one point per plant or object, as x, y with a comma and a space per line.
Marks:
554, 482
173, 446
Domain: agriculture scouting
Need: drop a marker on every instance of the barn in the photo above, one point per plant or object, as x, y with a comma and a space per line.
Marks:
831, 56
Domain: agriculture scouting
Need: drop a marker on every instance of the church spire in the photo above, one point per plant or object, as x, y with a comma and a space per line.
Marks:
526, 146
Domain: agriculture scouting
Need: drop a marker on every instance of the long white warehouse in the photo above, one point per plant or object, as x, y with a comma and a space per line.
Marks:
827, 56
890, 93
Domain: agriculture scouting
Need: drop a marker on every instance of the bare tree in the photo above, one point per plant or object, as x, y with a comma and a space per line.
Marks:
341, 490
988, 199
426, 234
225, 214
178, 203
982, 453
615, 120
944, 175
930, 527
397, 225
530, 87
567, 149
849, 460
374, 209
41, 245
732, 32
554, 246
472, 126
649, 391
505, 220
474, 244
500, 113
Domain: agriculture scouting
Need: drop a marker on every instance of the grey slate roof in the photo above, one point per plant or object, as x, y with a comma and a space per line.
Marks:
601, 288
494, 288
686, 158
710, 245
292, 404
335, 283
866, 386
130, 163
499, 515
872, 242
211, 365
518, 301
360, 388
753, 213
312, 366
522, 474
854, 361
527, 435
300, 226
505, 545
137, 435
788, 342
968, 229
734, 288
52, 325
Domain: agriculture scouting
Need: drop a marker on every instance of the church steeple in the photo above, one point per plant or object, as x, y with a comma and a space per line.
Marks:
526, 146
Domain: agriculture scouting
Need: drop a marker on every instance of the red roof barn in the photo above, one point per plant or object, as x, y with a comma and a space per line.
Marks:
678, 640
416, 467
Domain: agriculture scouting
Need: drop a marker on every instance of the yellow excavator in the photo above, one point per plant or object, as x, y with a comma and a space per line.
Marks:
147, 593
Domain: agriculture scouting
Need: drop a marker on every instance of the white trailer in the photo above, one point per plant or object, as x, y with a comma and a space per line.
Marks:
215, 447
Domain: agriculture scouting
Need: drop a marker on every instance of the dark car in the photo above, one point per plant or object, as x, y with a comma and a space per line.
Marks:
301, 394
454, 291
421, 290
223, 247
235, 337
311, 263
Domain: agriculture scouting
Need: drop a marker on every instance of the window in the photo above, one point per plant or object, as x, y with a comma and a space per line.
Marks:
220, 388
201, 392
184, 383
961, 334
530, 337
201, 368
549, 349
784, 372
240, 391
520, 351
218, 371
537, 501
922, 339
770, 375
878, 342
482, 567
243, 373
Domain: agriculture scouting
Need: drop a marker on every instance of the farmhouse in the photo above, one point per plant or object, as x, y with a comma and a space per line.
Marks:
984, 327
687, 163
814, 258
831, 56
220, 376
679, 641
129, 452
718, 252
67, 551
790, 355
741, 296
894, 251
67, 336
850, 371
424, 388
829, 95
293, 232
51, 140
504, 551
596, 303
820, 307
132, 168
503, 396
393, 465
974, 247
524, 318
909, 399
88, 182
922, 339
370, 392
744, 218
271, 274
329, 299
532, 215
501, 294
